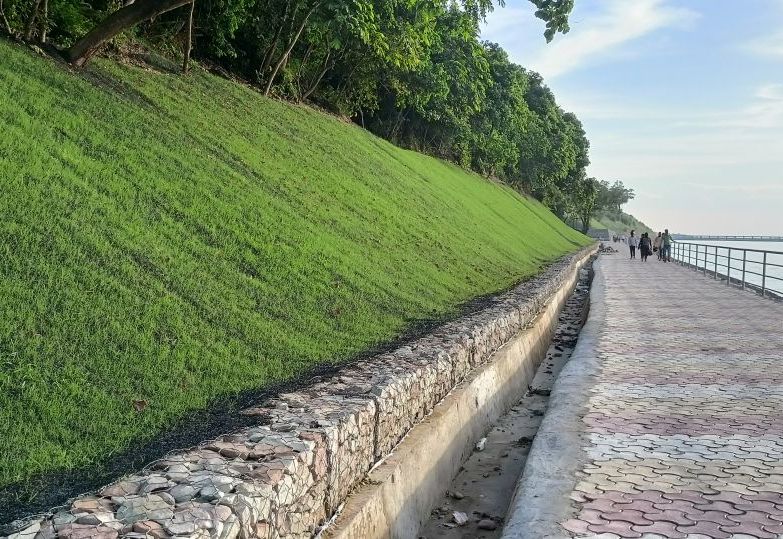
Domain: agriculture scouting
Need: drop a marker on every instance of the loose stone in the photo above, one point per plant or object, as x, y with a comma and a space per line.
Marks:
487, 524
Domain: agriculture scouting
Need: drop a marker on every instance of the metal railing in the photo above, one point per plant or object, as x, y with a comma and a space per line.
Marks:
756, 269
690, 237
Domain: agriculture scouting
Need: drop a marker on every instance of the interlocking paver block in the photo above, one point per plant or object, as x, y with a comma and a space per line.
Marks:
619, 527
576, 525
710, 529
667, 529
634, 517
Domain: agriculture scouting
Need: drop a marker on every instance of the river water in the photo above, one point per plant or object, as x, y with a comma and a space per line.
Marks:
753, 259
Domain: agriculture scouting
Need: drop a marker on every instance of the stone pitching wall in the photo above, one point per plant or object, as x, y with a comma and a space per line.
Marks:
289, 475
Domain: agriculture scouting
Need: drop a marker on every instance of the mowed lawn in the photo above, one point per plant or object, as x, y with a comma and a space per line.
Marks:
176, 239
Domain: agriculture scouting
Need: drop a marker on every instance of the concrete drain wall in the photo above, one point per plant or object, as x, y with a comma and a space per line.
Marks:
312, 448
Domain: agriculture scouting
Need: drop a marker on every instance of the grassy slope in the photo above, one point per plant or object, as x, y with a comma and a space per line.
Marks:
606, 221
176, 239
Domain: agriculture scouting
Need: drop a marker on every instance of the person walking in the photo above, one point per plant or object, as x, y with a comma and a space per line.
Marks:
666, 241
657, 243
645, 246
633, 242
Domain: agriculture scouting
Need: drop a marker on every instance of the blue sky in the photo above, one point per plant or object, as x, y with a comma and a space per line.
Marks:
682, 100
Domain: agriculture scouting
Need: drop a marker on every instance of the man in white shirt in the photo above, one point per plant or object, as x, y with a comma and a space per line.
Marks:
633, 243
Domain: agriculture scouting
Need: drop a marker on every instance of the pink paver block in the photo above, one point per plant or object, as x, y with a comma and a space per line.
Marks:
687, 495
762, 517
720, 506
604, 505
675, 505
727, 496
667, 529
773, 528
717, 517
690, 425
773, 497
645, 506
749, 528
634, 517
763, 506
619, 527
575, 525
704, 527
675, 517
615, 496
591, 517
653, 496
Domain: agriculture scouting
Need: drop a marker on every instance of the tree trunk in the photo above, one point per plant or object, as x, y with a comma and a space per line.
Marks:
299, 73
126, 17
4, 20
284, 58
188, 39
270, 51
28, 35
44, 20
318, 79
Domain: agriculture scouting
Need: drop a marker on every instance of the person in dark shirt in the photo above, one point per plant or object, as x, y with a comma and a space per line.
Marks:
645, 246
666, 249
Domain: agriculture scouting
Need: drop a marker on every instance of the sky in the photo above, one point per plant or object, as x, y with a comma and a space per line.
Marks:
682, 100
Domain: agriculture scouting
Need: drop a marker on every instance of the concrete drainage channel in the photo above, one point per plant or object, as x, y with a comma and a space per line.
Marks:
481, 492
438, 483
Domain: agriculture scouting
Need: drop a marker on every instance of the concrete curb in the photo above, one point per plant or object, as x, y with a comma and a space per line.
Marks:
541, 499
398, 495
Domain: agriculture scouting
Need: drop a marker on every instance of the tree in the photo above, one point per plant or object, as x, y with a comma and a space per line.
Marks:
188, 39
122, 19
587, 189
3, 19
555, 13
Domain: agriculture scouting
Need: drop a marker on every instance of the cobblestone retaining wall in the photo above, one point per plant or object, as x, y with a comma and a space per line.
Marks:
288, 475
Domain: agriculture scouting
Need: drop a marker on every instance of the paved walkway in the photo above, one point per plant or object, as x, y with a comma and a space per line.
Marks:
669, 420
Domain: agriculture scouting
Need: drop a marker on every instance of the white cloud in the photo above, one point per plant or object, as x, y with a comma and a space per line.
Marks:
771, 92
771, 45
604, 33
762, 189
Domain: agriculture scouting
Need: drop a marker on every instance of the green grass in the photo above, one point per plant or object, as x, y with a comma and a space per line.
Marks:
179, 239
622, 225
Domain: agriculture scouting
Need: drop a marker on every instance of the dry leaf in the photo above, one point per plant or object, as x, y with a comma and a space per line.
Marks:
140, 405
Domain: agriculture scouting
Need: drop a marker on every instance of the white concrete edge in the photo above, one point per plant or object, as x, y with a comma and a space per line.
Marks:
541, 500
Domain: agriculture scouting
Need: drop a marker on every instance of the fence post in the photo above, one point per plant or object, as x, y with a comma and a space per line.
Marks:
715, 265
744, 261
764, 275
728, 268
705, 260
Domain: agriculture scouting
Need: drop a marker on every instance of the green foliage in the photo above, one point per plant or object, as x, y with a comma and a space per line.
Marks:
555, 13
613, 196
176, 239
619, 222
412, 71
